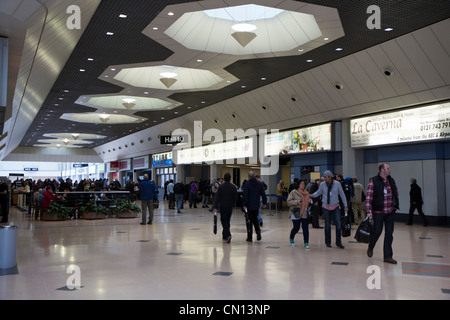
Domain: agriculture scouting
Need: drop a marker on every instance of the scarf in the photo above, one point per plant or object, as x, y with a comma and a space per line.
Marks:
305, 199
329, 190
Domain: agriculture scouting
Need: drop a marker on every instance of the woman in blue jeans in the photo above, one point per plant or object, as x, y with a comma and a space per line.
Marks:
298, 202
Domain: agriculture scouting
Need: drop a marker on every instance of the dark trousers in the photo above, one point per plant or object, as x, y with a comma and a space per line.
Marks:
253, 218
413, 208
296, 227
315, 211
225, 217
388, 220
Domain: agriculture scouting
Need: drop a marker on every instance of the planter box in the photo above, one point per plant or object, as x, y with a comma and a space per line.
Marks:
92, 216
128, 214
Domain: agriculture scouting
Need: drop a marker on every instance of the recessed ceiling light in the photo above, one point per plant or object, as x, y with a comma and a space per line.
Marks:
113, 69
326, 39
155, 28
199, 60
388, 29
243, 87
309, 60
339, 49
109, 33
82, 70
90, 59
170, 13
122, 15
263, 79
300, 50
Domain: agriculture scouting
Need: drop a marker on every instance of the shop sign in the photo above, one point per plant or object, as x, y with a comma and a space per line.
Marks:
412, 125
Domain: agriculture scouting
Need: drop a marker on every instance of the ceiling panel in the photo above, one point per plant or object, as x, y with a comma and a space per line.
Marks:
419, 59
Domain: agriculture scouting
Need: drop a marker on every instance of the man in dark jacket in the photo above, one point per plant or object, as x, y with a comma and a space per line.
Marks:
179, 191
148, 192
381, 204
416, 202
253, 192
225, 198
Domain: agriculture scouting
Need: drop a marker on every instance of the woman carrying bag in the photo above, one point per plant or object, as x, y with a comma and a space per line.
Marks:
298, 208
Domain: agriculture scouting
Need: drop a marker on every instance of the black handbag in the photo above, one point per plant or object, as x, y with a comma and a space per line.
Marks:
364, 230
155, 203
346, 226
296, 212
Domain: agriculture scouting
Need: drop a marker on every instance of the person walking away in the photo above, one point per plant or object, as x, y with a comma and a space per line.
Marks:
298, 200
416, 202
358, 191
179, 191
330, 190
147, 192
381, 204
260, 220
224, 201
253, 190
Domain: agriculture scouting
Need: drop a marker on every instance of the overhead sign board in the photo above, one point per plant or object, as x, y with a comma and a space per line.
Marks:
411, 125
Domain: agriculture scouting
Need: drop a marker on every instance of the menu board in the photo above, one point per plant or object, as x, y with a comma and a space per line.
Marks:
412, 125
308, 139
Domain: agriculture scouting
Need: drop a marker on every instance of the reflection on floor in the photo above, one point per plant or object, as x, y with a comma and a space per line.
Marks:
179, 257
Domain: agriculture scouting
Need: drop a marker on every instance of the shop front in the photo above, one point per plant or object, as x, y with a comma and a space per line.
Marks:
415, 142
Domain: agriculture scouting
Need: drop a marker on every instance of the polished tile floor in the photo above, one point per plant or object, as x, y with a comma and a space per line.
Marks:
179, 257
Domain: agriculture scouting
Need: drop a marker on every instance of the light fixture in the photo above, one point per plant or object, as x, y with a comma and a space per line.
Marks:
388, 71
243, 37
90, 59
129, 103
75, 136
388, 29
243, 27
123, 16
104, 117
82, 70
170, 13
309, 60
58, 146
109, 33
168, 78
339, 49
66, 141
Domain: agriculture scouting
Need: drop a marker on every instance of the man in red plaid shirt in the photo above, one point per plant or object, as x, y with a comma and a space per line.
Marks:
381, 204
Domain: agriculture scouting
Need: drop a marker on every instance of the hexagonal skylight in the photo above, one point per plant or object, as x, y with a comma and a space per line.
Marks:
244, 29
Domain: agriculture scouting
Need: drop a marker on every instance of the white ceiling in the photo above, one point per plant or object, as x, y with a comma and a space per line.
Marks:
420, 62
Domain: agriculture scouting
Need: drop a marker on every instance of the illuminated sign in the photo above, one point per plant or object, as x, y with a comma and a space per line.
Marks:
308, 139
412, 125
217, 152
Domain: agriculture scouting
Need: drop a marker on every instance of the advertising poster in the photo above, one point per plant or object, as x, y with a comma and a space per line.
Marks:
308, 139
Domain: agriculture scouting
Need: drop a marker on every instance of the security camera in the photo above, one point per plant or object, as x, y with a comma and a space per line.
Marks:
338, 85
388, 71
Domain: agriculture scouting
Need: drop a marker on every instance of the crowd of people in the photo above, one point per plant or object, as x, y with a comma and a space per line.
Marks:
331, 198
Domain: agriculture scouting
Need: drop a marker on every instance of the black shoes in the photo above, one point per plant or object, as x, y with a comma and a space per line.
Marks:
369, 253
390, 260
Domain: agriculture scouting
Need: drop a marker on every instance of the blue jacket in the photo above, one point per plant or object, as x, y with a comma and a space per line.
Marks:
147, 190
253, 191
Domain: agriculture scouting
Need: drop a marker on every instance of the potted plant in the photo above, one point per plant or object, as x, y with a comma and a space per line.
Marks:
56, 212
125, 209
91, 210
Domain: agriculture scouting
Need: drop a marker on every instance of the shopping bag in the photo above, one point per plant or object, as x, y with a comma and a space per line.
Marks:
215, 223
346, 226
364, 230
